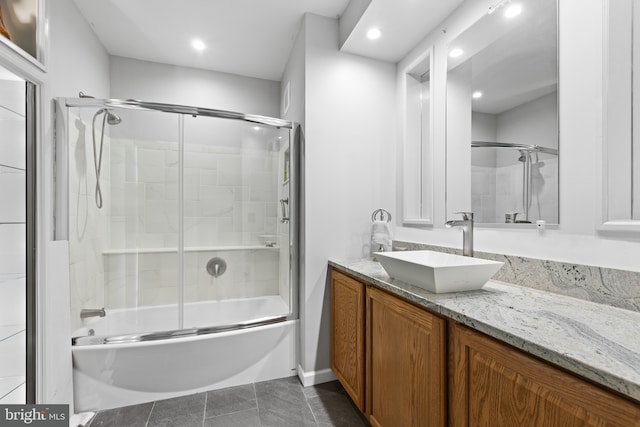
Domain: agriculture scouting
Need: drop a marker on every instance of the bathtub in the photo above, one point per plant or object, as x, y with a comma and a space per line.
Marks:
120, 374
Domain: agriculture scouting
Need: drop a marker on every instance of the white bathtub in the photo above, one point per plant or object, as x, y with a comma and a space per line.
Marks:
111, 375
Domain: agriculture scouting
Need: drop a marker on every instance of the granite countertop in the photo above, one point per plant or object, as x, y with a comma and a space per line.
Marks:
596, 341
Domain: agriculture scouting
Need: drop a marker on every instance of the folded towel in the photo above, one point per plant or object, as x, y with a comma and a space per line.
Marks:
380, 235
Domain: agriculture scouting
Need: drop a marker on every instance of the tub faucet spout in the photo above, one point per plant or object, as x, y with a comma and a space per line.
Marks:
92, 312
467, 231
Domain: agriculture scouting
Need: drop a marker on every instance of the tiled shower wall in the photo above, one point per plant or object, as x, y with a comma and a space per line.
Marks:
125, 254
230, 195
88, 225
497, 191
148, 279
230, 202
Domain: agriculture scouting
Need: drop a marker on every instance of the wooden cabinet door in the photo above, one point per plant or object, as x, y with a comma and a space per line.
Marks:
347, 334
406, 373
493, 384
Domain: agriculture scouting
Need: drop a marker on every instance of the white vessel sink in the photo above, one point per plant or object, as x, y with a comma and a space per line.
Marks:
438, 272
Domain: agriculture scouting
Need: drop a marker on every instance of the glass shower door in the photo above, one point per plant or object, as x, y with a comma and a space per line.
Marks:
236, 221
176, 221
124, 253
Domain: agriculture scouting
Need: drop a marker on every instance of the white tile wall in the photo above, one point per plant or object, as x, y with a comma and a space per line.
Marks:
152, 278
12, 338
497, 191
88, 226
219, 182
12, 242
12, 390
231, 199
13, 206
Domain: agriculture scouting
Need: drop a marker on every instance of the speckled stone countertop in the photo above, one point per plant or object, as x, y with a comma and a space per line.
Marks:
595, 341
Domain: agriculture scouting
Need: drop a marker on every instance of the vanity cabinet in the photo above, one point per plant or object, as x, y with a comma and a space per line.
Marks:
405, 363
404, 356
347, 334
493, 384
405, 366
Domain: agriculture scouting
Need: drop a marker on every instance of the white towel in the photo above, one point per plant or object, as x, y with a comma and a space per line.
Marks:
380, 235
380, 232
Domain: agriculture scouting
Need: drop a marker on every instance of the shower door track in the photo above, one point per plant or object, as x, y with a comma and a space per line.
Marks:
178, 109
526, 147
177, 333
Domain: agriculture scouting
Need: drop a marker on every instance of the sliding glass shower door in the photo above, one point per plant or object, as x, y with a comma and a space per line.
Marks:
175, 221
236, 218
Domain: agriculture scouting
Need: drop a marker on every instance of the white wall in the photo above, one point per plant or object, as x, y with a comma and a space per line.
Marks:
350, 125
77, 62
580, 112
154, 82
533, 123
294, 77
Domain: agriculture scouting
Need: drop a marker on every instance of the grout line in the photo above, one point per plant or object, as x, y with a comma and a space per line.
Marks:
11, 391
255, 393
149, 416
12, 335
204, 411
306, 400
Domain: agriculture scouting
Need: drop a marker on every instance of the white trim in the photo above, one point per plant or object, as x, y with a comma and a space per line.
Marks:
619, 225
315, 377
606, 220
426, 193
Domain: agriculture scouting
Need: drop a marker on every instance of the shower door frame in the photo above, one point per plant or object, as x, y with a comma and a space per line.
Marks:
296, 195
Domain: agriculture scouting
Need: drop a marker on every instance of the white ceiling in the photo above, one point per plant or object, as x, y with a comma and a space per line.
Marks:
250, 37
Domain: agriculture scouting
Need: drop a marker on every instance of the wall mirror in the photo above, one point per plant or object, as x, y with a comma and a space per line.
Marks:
417, 194
502, 115
621, 144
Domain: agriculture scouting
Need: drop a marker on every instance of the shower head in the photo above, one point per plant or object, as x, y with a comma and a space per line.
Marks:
112, 118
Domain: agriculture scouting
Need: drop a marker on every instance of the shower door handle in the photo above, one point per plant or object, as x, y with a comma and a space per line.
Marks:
284, 203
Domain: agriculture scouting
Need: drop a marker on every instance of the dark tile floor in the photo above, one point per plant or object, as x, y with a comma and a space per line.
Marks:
277, 403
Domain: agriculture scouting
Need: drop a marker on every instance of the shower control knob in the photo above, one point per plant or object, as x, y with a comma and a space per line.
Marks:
216, 266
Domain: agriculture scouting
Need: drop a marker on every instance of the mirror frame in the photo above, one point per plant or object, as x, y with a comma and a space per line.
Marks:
426, 168
616, 127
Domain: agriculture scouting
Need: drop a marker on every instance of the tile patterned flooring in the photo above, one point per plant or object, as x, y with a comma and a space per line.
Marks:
277, 403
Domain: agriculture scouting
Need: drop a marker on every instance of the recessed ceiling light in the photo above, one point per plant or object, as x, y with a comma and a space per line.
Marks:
374, 34
456, 52
477, 94
256, 128
513, 10
198, 45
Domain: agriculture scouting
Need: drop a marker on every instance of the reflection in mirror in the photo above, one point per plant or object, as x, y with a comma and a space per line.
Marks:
502, 115
622, 116
418, 151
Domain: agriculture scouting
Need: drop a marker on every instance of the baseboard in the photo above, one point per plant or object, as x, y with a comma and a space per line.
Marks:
315, 377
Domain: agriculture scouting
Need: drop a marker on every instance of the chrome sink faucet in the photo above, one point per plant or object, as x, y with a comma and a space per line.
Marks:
467, 231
